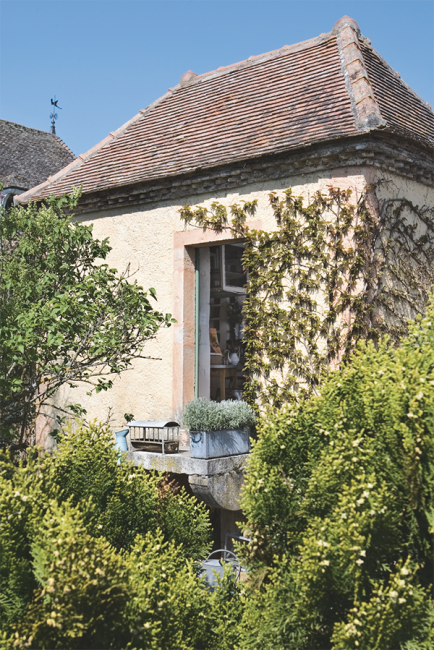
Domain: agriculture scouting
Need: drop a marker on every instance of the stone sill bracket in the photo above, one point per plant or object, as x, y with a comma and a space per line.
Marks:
216, 481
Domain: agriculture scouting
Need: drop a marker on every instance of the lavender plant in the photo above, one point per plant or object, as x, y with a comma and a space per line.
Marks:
204, 415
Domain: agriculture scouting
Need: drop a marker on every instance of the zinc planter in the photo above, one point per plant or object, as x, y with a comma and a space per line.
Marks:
214, 444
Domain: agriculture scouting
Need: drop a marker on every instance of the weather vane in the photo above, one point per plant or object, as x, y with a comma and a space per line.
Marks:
53, 116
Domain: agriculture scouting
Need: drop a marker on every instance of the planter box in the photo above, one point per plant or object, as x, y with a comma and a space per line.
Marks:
213, 444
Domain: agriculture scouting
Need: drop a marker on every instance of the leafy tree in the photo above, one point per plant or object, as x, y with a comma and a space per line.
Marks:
95, 554
65, 315
339, 501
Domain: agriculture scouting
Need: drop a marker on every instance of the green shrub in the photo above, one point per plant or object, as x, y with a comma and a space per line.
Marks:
72, 527
172, 608
204, 415
124, 500
90, 596
82, 584
19, 490
339, 500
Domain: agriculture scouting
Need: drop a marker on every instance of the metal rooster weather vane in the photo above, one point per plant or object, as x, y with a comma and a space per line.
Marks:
53, 116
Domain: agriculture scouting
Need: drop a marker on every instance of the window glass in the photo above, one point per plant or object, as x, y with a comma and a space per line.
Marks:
215, 255
235, 276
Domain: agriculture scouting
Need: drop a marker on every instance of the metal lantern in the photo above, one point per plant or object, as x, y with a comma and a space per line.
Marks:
158, 436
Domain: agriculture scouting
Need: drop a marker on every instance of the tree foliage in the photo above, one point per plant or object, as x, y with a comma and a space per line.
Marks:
100, 554
65, 315
336, 271
339, 501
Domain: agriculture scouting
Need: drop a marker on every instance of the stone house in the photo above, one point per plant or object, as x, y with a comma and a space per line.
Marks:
326, 111
27, 157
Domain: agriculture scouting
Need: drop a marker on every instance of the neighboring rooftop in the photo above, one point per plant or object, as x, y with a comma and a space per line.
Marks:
28, 156
331, 87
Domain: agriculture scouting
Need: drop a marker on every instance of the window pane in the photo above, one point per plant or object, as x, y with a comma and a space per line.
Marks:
234, 272
215, 267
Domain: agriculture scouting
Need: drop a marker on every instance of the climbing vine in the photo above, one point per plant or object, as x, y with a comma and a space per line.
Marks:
335, 271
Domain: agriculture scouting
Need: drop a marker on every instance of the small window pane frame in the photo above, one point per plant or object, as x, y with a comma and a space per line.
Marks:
229, 287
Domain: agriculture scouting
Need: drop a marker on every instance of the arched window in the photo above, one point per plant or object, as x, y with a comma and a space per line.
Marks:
7, 197
9, 201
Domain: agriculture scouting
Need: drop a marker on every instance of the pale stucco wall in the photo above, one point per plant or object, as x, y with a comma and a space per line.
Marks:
400, 187
144, 238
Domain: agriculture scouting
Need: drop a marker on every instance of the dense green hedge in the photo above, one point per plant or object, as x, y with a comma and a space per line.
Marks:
340, 501
96, 554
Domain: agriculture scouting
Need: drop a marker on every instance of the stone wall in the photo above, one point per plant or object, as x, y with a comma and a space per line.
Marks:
151, 238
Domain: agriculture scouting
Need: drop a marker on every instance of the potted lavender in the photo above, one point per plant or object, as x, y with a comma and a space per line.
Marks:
218, 428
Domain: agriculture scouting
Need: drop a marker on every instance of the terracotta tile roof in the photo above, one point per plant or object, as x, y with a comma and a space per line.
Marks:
28, 155
404, 112
300, 95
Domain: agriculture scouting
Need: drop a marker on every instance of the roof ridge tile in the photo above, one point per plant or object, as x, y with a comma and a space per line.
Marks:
364, 104
255, 59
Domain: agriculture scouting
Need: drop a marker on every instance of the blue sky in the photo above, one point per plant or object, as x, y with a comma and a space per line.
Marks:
105, 60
